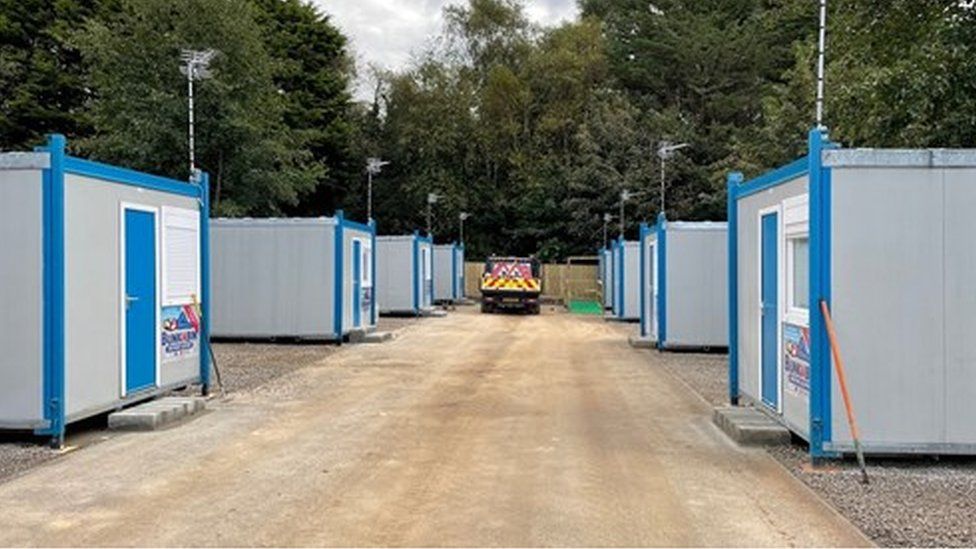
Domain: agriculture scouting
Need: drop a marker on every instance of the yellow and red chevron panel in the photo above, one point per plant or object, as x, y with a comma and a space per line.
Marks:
523, 284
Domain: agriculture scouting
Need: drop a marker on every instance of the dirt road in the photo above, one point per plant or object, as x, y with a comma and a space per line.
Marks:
466, 430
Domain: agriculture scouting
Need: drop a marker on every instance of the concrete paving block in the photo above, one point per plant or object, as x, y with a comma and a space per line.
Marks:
640, 342
154, 414
357, 335
749, 426
378, 337
436, 313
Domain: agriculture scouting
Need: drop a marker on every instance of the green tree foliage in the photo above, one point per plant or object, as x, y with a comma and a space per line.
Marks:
42, 79
521, 126
257, 163
311, 70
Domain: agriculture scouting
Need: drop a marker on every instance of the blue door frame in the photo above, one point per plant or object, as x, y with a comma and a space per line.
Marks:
140, 300
357, 283
770, 309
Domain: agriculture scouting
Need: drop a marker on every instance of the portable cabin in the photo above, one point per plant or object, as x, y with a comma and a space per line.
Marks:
683, 289
405, 274
448, 272
606, 276
625, 267
306, 278
104, 280
883, 239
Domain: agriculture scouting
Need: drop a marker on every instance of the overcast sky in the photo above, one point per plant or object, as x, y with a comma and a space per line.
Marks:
386, 32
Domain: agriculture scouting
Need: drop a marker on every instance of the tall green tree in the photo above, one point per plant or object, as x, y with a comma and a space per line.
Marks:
258, 165
312, 71
43, 87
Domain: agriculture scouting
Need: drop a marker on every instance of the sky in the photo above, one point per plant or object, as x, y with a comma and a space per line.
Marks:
386, 32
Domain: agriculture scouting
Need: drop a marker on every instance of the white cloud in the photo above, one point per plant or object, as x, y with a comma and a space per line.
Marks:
387, 32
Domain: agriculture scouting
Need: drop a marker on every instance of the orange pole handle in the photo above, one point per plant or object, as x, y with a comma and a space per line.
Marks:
839, 367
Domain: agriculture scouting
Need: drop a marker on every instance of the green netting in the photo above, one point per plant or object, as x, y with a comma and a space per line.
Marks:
581, 307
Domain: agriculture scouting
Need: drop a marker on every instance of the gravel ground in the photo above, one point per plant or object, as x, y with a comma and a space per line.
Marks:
17, 456
247, 366
244, 367
911, 502
705, 373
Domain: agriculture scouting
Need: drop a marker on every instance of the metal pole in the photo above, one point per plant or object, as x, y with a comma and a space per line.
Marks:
605, 223
189, 78
429, 214
622, 226
663, 160
369, 195
820, 62
461, 236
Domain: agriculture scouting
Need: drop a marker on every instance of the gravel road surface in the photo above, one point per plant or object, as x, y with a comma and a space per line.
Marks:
468, 430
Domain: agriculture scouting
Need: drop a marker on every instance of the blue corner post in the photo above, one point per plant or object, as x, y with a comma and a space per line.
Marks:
643, 280
454, 275
662, 281
372, 275
340, 274
820, 377
204, 185
734, 180
416, 272
54, 290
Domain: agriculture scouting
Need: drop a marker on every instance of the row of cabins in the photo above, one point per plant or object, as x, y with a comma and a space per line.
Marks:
880, 239
105, 289
113, 281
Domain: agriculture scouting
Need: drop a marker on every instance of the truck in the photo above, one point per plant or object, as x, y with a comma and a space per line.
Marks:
511, 283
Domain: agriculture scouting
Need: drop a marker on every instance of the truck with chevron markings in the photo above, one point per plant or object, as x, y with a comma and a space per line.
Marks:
511, 283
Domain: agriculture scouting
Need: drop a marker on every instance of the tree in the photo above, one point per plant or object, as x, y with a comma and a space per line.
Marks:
312, 69
258, 164
42, 78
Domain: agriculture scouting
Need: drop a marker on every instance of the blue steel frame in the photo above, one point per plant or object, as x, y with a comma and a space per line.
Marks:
372, 304
416, 282
461, 276
454, 275
819, 179
733, 183
340, 275
618, 263
429, 239
643, 279
53, 213
342, 223
661, 249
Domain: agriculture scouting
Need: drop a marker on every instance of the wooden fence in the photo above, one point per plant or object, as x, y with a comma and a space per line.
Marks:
559, 281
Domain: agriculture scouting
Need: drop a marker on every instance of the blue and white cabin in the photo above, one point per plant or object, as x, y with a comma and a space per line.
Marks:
606, 276
448, 273
884, 239
405, 274
625, 269
305, 278
104, 279
683, 289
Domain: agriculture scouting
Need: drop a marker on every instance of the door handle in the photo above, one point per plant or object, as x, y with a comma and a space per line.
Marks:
129, 300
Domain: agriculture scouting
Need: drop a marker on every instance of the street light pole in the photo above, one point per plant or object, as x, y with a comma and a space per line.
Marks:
431, 200
373, 166
461, 217
607, 218
196, 67
624, 197
664, 152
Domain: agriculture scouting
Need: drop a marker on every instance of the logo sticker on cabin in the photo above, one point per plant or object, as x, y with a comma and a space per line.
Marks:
181, 332
796, 359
